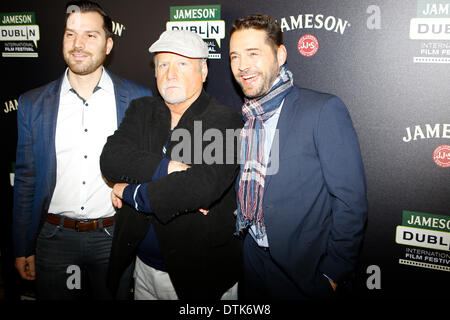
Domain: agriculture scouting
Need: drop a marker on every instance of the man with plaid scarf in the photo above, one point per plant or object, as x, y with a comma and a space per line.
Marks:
301, 191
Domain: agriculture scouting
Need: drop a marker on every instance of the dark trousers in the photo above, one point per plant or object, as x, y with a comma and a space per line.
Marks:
263, 278
71, 265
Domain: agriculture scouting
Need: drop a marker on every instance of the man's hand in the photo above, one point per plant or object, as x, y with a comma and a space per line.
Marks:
175, 166
25, 266
117, 194
117, 189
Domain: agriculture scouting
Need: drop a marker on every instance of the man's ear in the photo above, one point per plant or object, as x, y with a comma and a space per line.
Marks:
281, 55
204, 70
109, 45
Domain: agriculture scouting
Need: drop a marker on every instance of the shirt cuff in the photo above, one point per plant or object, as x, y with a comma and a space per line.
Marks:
328, 277
136, 196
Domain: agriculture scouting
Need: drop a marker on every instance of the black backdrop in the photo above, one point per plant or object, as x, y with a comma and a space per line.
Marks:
370, 62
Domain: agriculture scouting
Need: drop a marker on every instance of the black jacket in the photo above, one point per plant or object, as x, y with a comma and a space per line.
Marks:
202, 255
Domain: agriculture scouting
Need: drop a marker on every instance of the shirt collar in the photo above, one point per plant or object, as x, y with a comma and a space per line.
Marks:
104, 83
65, 86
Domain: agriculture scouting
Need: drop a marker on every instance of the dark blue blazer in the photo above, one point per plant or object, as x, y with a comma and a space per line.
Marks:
35, 174
315, 206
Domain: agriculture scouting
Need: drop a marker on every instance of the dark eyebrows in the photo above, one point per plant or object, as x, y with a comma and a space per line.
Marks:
246, 50
87, 31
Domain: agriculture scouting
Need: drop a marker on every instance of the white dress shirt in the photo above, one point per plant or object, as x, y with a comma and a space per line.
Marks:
81, 131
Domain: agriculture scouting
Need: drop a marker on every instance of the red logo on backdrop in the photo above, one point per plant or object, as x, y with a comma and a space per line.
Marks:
308, 45
442, 156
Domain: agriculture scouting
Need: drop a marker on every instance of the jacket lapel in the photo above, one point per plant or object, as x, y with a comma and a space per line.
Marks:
285, 122
49, 107
121, 95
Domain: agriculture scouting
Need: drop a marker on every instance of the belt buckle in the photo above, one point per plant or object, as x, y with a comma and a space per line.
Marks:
76, 226
93, 225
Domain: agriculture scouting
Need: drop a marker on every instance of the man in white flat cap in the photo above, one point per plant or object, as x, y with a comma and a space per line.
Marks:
175, 217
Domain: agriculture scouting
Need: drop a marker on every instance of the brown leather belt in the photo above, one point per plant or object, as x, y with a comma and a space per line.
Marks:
79, 225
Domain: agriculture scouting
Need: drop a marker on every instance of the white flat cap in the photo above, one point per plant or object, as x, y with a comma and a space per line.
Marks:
182, 42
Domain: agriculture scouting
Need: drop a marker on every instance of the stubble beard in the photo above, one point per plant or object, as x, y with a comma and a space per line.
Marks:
178, 98
86, 67
266, 83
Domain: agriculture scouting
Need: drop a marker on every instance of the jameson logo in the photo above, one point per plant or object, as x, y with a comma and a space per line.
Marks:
433, 20
427, 240
117, 28
17, 18
195, 13
10, 105
424, 230
314, 21
428, 131
441, 154
204, 20
19, 34
436, 9
432, 24
426, 220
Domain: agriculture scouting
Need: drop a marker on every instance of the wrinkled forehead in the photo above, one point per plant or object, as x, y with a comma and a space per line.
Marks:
165, 57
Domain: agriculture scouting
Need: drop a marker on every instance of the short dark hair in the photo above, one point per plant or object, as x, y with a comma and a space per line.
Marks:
261, 22
90, 6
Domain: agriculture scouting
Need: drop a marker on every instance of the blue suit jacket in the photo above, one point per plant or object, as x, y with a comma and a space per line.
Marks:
35, 174
315, 206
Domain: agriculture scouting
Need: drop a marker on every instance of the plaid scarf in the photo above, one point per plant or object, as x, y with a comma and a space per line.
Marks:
254, 164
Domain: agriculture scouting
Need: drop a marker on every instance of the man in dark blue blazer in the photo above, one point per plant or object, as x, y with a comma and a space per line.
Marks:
302, 203
63, 218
